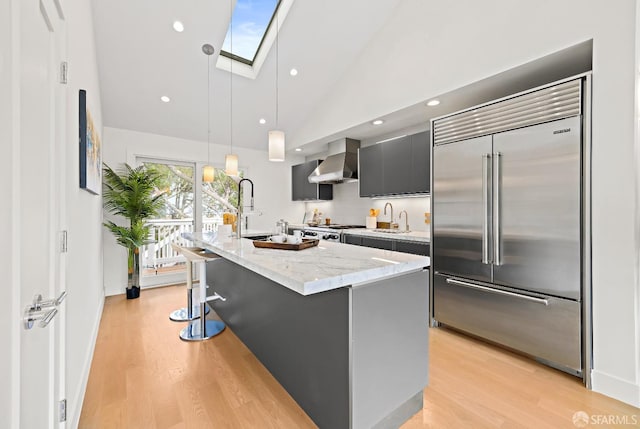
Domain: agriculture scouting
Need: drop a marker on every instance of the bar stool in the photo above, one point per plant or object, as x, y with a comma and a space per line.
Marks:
191, 311
202, 329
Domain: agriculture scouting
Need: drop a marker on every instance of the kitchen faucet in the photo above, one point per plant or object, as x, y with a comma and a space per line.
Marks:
391, 223
239, 220
406, 219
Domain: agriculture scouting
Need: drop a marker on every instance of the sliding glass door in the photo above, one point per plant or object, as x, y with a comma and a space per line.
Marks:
159, 263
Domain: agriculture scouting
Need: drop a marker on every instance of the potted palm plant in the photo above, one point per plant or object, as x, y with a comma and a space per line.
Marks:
133, 194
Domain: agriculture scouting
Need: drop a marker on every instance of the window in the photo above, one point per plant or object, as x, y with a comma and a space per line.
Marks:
218, 198
251, 20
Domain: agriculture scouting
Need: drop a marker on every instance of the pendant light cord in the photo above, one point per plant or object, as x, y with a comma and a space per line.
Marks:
277, 61
231, 79
208, 108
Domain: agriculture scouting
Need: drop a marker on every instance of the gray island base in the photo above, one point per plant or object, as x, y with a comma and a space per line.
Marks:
352, 356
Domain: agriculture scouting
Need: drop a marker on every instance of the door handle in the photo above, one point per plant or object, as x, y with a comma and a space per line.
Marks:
537, 300
497, 179
44, 316
53, 302
486, 174
41, 310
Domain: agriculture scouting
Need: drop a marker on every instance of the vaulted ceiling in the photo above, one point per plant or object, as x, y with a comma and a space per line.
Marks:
141, 58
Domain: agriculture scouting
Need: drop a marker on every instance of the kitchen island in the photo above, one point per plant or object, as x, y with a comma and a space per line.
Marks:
344, 329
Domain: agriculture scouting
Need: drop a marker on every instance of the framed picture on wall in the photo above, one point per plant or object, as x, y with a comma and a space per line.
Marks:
90, 149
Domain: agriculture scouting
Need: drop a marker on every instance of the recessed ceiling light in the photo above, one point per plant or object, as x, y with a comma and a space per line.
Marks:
262, 121
298, 149
178, 26
433, 102
293, 72
165, 99
378, 122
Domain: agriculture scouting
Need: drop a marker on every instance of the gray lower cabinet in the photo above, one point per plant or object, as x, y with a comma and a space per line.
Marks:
377, 243
302, 190
347, 367
397, 167
413, 247
352, 239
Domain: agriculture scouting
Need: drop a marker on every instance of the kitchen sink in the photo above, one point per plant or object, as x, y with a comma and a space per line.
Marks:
257, 237
390, 231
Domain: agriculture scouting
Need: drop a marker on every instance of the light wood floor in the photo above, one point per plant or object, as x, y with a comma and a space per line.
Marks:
143, 376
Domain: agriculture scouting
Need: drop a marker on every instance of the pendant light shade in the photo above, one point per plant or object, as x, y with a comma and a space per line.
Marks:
276, 145
207, 170
207, 174
231, 165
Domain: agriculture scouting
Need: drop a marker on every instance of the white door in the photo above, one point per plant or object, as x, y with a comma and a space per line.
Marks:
41, 195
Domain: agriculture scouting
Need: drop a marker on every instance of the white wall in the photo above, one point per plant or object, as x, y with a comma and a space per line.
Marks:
83, 305
84, 213
430, 48
9, 219
348, 208
272, 183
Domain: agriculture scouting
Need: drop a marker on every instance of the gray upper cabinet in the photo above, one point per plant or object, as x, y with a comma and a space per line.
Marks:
302, 190
370, 162
395, 163
420, 163
396, 167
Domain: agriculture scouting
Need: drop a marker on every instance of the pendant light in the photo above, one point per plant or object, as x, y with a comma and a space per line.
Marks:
207, 170
231, 160
276, 137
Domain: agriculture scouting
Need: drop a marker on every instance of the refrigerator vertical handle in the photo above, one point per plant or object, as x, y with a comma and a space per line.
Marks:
497, 181
486, 205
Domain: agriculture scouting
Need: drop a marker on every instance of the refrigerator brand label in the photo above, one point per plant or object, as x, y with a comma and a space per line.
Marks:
564, 130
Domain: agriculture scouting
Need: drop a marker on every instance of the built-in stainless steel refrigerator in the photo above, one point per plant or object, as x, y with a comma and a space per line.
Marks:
508, 201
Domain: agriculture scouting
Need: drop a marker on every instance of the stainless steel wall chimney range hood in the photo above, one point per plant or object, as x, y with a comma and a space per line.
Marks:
340, 166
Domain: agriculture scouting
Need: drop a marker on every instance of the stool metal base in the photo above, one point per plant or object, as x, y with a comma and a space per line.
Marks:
193, 332
182, 314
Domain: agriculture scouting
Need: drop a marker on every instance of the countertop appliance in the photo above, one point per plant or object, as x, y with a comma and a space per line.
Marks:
331, 232
509, 209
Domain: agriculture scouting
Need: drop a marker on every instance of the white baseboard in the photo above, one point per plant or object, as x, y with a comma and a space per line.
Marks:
112, 291
76, 404
616, 388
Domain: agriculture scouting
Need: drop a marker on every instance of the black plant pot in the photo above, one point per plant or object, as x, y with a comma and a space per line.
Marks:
133, 292
133, 276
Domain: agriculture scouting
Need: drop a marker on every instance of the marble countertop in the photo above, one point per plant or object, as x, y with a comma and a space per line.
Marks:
317, 269
419, 236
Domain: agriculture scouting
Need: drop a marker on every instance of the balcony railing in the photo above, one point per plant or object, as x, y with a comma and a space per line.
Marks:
158, 254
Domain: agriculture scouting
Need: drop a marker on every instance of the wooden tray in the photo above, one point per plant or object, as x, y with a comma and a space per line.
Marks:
306, 243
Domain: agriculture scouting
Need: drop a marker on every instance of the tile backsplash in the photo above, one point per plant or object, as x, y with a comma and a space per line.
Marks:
348, 208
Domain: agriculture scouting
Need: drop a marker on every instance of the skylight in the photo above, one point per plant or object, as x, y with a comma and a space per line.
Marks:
251, 19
